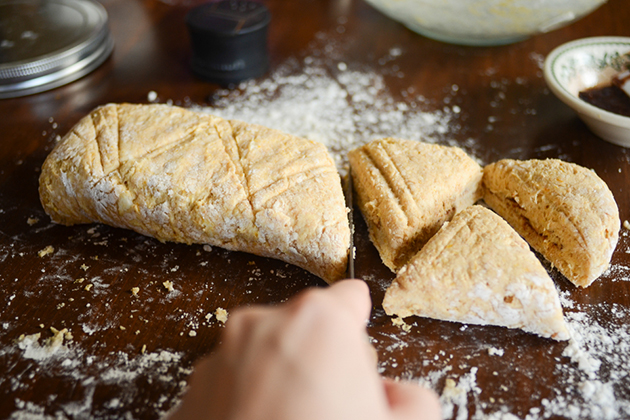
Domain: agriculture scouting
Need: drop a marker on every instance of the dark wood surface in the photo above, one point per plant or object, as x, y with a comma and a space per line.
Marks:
129, 356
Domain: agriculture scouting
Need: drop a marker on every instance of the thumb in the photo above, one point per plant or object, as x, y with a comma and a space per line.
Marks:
411, 401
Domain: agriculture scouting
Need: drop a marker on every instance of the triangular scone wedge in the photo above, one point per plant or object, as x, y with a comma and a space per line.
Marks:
407, 189
565, 212
190, 177
478, 270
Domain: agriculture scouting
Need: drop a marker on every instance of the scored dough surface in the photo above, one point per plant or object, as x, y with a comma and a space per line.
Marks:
565, 212
407, 189
183, 176
478, 270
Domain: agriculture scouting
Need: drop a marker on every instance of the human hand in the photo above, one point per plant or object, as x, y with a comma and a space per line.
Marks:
307, 359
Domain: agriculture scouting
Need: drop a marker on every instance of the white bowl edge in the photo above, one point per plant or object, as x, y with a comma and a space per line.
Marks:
590, 114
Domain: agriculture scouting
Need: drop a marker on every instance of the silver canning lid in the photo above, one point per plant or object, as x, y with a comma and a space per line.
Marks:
47, 44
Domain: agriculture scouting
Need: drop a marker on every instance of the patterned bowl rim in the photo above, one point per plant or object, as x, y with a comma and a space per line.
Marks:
613, 52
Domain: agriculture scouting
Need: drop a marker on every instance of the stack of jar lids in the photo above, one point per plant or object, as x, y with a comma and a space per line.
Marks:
229, 40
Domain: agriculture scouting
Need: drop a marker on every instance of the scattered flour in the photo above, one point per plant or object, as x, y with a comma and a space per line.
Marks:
316, 97
592, 372
340, 107
493, 351
117, 374
326, 100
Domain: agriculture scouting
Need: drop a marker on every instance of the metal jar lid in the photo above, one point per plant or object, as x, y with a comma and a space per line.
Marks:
47, 44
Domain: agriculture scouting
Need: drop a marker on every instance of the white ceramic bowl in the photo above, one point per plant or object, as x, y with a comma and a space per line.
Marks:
484, 22
585, 63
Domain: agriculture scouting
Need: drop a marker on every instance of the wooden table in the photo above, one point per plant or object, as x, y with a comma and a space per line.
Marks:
128, 356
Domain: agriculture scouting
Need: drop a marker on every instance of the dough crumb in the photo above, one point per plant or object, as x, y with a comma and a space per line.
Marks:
32, 220
135, 290
192, 333
168, 285
46, 251
88, 287
221, 314
626, 224
451, 390
207, 248
28, 338
56, 340
399, 322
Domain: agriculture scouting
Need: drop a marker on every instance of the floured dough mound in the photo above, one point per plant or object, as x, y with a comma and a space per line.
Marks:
189, 177
478, 270
565, 212
407, 189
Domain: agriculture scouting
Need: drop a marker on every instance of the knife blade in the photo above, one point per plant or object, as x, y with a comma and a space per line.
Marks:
351, 250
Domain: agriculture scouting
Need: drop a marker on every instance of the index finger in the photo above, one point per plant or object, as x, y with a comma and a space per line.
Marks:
353, 294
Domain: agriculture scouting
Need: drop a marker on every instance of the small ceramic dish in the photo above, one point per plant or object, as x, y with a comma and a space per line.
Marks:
586, 63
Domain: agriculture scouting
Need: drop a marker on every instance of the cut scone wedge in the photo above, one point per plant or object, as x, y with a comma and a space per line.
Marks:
190, 177
407, 189
565, 211
478, 270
